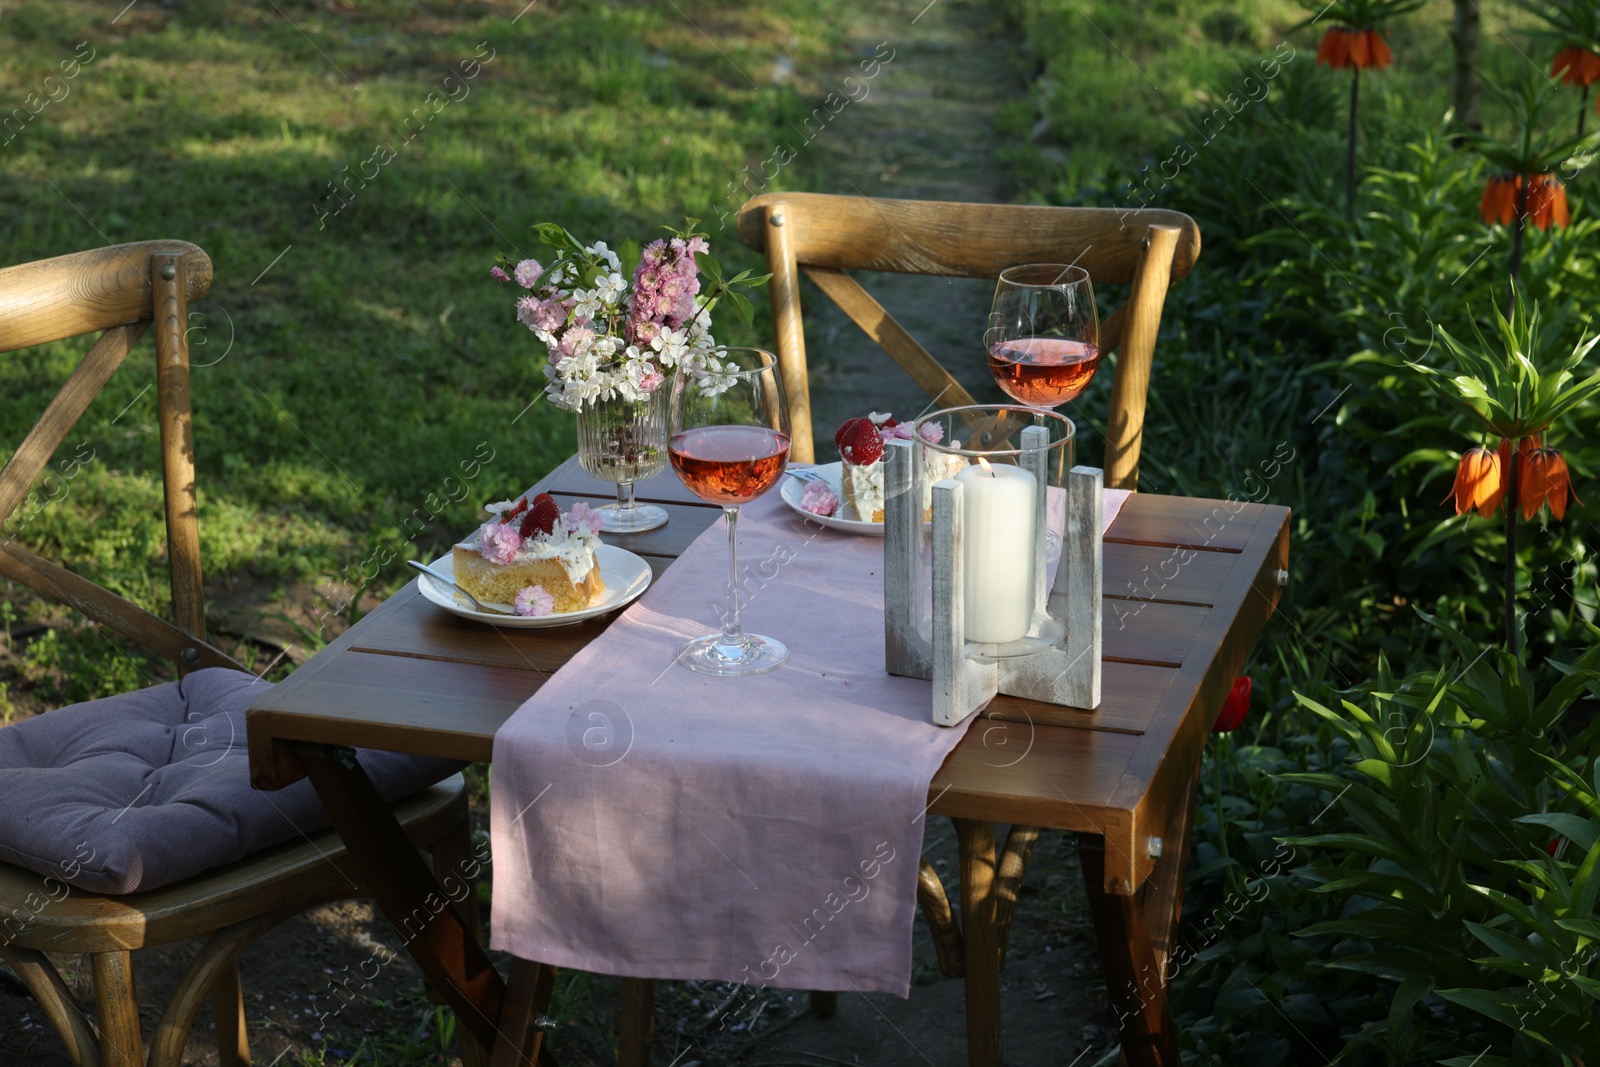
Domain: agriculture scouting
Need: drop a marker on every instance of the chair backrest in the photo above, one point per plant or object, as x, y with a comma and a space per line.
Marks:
120, 291
826, 236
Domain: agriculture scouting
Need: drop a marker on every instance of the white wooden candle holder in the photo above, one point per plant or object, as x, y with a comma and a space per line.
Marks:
1058, 661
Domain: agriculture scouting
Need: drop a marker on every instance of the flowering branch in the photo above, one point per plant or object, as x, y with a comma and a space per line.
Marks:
609, 338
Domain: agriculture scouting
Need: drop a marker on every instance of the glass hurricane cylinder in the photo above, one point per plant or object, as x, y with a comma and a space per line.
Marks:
625, 441
1012, 463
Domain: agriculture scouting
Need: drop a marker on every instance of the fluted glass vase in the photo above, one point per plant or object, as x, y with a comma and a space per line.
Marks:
625, 441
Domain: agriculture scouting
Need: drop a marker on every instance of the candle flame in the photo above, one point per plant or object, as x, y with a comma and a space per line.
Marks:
985, 465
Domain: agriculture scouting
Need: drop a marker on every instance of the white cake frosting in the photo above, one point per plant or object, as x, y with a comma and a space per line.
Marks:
866, 482
573, 549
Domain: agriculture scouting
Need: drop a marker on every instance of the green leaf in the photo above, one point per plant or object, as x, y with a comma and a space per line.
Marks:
709, 267
1413, 989
1580, 831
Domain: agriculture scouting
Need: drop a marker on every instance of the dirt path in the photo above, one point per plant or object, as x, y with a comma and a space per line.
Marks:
924, 130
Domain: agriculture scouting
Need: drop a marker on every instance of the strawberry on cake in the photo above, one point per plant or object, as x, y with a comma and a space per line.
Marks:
533, 556
861, 442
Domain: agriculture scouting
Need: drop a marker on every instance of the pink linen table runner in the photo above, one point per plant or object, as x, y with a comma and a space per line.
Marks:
651, 822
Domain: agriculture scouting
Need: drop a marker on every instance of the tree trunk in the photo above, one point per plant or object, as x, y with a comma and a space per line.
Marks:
1466, 37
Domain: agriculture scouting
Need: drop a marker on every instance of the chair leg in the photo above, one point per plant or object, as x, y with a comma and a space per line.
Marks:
56, 1002
824, 1003
455, 866
120, 1042
638, 1022
213, 974
980, 940
227, 1008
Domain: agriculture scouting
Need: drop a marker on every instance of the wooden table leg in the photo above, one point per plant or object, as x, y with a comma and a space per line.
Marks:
637, 1023
1163, 892
1133, 972
521, 1033
407, 892
980, 941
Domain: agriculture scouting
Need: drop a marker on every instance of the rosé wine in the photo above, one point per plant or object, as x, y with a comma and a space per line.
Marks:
1043, 372
729, 465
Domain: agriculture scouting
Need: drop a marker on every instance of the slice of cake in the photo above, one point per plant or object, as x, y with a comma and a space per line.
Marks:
861, 442
532, 556
860, 447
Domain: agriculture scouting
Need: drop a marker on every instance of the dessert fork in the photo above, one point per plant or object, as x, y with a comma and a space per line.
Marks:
477, 605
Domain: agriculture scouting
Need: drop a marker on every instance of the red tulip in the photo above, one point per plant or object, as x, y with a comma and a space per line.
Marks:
1235, 707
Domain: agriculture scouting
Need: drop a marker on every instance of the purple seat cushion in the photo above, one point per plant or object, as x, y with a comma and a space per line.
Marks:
135, 791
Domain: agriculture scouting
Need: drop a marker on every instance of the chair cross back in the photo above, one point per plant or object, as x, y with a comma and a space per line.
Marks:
827, 236
119, 291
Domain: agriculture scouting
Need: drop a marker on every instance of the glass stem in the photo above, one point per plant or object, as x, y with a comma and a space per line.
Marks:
731, 633
625, 501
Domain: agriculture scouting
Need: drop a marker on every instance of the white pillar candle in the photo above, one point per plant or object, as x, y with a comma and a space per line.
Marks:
997, 557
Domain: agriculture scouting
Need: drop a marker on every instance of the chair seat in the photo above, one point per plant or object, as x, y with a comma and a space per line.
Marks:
297, 874
143, 789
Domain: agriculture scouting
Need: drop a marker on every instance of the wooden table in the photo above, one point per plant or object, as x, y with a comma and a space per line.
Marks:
1189, 584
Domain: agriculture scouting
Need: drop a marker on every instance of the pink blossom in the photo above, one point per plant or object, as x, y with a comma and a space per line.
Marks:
644, 332
499, 275
499, 542
528, 272
528, 310
932, 431
652, 380
698, 243
818, 499
547, 314
535, 600
573, 339
583, 517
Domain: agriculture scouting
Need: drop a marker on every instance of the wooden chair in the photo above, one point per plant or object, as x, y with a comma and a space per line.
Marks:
828, 236
123, 290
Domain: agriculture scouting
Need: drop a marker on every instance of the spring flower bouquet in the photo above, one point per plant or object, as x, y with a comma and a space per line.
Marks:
614, 323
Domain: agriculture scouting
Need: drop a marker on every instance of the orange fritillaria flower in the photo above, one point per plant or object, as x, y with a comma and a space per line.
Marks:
1379, 49
1524, 446
1343, 47
1547, 482
1577, 66
1499, 203
1547, 201
1479, 482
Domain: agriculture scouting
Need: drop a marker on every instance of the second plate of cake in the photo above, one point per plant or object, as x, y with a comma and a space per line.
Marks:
793, 492
626, 576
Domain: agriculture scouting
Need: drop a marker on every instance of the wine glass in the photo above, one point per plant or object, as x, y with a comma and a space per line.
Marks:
1043, 340
625, 441
728, 439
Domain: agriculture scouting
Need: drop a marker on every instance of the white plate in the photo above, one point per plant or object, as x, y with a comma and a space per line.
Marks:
626, 575
794, 488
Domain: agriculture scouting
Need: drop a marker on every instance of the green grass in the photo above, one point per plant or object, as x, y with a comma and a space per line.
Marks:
353, 366
1120, 84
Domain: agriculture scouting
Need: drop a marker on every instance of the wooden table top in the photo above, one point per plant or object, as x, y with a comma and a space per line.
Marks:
1189, 584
